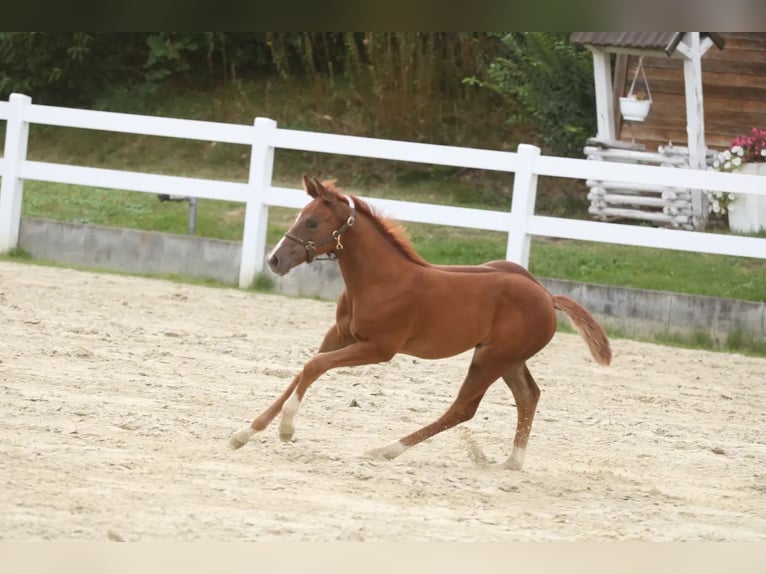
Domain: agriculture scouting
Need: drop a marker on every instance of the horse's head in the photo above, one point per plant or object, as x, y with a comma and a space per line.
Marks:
317, 229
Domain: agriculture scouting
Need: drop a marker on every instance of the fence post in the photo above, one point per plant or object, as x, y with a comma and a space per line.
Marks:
12, 187
256, 210
522, 205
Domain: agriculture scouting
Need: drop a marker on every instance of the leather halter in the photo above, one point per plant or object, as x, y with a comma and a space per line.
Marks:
311, 246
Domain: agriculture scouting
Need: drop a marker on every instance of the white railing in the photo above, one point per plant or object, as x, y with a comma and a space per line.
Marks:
520, 223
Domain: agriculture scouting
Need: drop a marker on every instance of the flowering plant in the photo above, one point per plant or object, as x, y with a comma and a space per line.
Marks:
753, 146
639, 95
743, 149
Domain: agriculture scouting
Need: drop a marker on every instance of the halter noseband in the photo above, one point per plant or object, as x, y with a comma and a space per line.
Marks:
311, 246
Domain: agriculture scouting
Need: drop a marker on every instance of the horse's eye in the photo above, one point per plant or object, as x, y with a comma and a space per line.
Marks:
311, 224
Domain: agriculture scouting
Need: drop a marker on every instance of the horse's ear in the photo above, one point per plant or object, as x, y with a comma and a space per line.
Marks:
330, 184
322, 191
310, 186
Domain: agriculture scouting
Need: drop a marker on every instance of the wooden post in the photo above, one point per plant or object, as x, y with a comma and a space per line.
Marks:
695, 120
256, 210
605, 111
522, 205
12, 187
618, 85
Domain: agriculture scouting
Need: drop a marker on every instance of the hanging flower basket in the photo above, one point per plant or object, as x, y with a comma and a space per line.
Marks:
635, 107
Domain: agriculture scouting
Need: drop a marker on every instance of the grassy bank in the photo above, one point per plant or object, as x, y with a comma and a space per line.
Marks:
660, 269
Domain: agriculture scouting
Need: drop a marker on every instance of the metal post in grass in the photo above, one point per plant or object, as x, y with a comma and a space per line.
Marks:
192, 215
12, 187
256, 209
522, 205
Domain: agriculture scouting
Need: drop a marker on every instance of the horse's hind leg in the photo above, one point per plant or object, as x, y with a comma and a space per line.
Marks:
481, 374
333, 340
526, 393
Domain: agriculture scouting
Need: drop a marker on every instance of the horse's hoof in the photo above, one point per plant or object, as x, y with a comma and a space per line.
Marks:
516, 460
387, 452
377, 454
240, 438
235, 443
384, 453
286, 436
286, 431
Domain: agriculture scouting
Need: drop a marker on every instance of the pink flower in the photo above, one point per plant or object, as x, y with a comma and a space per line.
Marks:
752, 144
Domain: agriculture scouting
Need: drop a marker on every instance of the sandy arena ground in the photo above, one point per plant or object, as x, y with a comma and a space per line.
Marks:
119, 395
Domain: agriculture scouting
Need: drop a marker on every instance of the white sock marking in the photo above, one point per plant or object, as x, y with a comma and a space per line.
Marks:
394, 449
389, 451
289, 410
241, 437
516, 460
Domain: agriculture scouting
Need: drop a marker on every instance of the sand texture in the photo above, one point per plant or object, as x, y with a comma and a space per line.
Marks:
119, 395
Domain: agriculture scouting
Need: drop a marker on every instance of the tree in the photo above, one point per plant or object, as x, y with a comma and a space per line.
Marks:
550, 81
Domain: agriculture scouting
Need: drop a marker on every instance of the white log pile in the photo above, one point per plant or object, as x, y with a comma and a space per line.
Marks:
666, 206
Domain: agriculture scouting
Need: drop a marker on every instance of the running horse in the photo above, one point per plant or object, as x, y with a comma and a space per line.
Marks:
396, 302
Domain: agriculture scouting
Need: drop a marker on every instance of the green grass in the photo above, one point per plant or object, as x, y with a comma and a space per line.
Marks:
135, 210
624, 266
645, 268
18, 254
263, 283
736, 342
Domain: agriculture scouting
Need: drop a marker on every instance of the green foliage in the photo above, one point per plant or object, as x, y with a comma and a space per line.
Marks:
82, 67
18, 254
400, 85
169, 54
66, 67
550, 81
201, 58
403, 85
263, 283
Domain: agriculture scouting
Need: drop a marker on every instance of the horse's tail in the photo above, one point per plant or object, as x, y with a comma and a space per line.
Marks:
588, 328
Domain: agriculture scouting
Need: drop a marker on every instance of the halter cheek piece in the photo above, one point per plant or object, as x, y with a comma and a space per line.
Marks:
311, 246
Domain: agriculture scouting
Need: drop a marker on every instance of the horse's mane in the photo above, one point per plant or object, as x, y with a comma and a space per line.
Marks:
391, 230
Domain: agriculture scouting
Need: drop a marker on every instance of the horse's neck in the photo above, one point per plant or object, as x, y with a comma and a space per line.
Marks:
369, 258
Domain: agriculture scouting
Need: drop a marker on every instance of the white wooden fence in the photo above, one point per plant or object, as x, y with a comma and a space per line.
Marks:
258, 193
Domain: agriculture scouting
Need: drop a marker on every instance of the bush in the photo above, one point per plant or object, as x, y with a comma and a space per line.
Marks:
550, 81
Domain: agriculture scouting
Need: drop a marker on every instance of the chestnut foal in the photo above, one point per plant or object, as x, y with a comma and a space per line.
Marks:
396, 302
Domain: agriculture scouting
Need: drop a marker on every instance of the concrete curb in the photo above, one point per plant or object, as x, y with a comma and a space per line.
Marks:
634, 312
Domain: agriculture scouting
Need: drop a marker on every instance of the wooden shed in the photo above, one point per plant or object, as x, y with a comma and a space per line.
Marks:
706, 89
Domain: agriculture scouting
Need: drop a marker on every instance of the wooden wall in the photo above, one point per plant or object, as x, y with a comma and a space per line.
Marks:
734, 94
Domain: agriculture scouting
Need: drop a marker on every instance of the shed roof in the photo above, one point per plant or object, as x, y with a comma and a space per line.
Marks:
667, 41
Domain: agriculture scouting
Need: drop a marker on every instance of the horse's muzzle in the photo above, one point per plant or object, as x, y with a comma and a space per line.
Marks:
280, 264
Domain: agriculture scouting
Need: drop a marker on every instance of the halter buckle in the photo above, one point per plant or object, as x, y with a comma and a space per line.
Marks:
336, 236
311, 249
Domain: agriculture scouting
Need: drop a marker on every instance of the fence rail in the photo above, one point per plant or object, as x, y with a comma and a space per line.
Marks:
258, 193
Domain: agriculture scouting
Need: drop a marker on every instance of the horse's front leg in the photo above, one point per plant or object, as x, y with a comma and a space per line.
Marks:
350, 355
240, 438
359, 353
